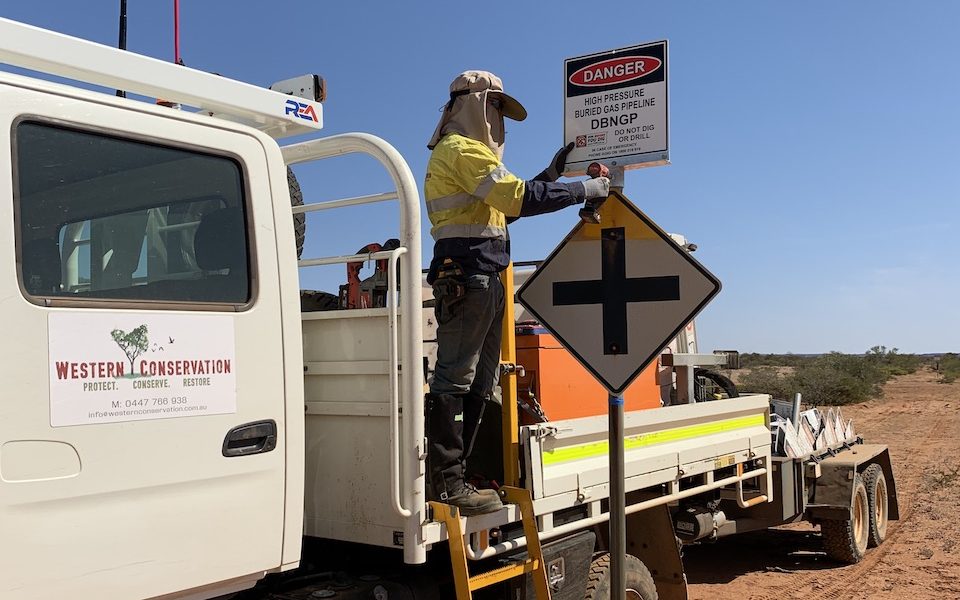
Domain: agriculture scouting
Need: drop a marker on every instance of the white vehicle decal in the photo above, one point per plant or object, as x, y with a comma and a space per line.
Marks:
112, 367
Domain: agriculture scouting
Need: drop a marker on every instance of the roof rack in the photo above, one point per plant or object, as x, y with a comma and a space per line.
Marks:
274, 113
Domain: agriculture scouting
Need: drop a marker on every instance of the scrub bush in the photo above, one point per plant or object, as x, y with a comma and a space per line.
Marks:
834, 378
768, 380
949, 367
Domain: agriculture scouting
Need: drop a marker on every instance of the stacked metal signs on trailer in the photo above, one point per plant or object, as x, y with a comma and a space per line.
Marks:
778, 433
848, 432
815, 433
807, 432
786, 439
829, 431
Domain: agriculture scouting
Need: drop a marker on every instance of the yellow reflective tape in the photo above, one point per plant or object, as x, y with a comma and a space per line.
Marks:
580, 452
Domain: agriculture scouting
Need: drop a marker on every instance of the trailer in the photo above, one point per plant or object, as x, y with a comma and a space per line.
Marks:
181, 421
847, 488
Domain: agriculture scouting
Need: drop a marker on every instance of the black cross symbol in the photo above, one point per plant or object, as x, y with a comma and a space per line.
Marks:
614, 290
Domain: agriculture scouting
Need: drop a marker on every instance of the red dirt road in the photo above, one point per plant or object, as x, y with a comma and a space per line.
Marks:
919, 420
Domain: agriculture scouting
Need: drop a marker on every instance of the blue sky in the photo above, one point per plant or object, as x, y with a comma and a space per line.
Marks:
813, 144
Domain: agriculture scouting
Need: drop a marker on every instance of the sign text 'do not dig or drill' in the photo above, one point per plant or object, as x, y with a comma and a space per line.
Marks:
615, 108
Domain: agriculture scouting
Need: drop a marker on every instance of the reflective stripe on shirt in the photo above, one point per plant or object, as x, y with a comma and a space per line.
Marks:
496, 176
459, 200
468, 231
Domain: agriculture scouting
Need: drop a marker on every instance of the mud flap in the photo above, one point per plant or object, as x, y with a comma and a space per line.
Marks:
833, 492
893, 507
650, 537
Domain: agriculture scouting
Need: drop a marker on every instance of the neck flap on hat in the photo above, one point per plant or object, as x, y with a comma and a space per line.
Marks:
471, 115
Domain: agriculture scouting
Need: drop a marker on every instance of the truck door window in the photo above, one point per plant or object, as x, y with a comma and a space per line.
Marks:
103, 217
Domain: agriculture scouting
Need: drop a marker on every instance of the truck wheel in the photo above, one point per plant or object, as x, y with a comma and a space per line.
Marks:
640, 584
846, 541
299, 220
876, 484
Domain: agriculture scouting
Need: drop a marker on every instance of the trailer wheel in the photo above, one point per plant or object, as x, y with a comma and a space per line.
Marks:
846, 541
640, 584
299, 220
876, 483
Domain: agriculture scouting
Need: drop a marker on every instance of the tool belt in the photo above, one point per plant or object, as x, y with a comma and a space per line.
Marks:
449, 281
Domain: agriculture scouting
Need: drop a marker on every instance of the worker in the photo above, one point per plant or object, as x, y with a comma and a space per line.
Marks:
470, 197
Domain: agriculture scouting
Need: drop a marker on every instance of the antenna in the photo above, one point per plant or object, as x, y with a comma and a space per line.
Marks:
122, 42
176, 33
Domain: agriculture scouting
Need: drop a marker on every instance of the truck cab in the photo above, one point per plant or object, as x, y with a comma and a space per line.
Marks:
149, 357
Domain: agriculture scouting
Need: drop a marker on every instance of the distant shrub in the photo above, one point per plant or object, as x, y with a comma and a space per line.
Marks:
766, 380
839, 379
949, 367
834, 378
892, 362
753, 359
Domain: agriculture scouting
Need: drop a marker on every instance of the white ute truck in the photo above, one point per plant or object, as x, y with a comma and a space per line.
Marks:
174, 426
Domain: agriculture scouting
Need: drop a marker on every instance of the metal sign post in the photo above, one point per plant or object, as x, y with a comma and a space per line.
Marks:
618, 494
618, 502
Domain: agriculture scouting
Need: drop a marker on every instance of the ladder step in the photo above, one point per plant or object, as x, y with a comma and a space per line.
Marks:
504, 573
464, 583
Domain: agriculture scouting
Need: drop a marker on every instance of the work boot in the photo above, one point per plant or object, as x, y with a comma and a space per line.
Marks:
444, 429
471, 501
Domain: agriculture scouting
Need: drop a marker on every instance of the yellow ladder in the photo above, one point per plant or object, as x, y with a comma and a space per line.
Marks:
465, 584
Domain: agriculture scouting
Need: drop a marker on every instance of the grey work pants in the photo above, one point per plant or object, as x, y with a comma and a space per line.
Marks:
467, 368
468, 335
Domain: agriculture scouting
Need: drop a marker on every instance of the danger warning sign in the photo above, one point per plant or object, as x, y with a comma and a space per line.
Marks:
615, 108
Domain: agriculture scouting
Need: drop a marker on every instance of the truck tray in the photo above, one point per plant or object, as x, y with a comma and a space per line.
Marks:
670, 453
662, 446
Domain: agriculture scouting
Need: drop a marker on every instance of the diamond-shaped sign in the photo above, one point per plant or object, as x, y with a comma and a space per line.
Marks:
615, 294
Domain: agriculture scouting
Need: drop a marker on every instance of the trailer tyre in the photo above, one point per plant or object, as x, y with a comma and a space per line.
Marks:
846, 541
299, 220
640, 584
876, 483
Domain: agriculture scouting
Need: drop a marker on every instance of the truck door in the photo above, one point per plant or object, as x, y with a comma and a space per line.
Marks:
142, 432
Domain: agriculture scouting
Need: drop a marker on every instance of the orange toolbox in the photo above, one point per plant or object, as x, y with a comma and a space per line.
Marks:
563, 388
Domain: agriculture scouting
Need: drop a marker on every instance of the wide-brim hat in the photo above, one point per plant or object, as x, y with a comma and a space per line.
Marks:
470, 82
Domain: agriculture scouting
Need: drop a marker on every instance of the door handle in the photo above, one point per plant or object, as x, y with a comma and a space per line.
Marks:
252, 438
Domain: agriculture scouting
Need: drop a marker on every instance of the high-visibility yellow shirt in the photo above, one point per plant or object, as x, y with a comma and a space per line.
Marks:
470, 196
468, 191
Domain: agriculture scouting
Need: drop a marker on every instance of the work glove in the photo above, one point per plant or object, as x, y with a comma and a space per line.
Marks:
598, 187
557, 165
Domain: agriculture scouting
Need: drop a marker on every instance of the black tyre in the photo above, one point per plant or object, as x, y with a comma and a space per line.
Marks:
846, 540
876, 484
640, 584
710, 385
299, 220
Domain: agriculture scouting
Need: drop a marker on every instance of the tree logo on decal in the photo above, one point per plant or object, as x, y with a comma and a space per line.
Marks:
133, 343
